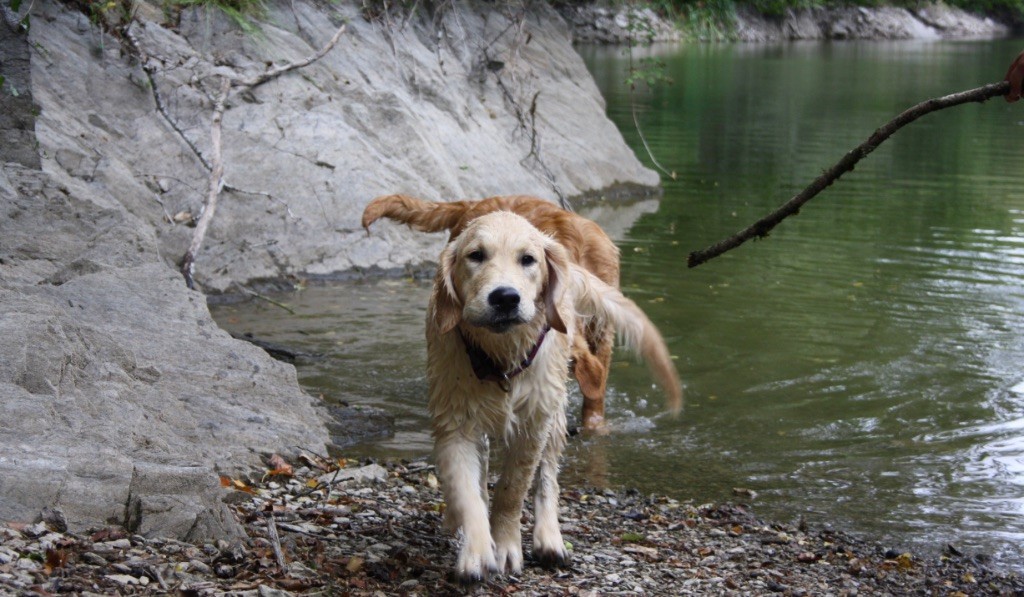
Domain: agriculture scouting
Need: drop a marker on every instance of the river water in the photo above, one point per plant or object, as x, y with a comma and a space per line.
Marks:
863, 367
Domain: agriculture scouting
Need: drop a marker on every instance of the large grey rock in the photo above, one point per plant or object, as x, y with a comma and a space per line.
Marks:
120, 399
427, 107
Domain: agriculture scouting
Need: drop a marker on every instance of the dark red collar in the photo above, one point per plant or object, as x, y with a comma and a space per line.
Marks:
486, 369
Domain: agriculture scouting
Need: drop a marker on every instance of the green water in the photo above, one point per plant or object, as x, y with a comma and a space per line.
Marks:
863, 367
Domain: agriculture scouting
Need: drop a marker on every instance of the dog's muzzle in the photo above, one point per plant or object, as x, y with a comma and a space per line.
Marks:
504, 303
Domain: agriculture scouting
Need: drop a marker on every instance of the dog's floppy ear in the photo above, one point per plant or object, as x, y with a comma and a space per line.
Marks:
554, 287
447, 306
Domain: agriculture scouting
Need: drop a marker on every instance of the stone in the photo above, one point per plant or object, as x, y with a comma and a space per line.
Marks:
355, 476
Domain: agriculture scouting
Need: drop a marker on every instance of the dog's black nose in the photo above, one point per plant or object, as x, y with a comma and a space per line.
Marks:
503, 299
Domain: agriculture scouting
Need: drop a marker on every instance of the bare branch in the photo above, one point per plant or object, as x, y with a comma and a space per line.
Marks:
213, 189
280, 70
762, 227
216, 164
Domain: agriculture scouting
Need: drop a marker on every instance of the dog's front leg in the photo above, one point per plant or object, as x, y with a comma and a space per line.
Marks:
548, 546
519, 461
458, 463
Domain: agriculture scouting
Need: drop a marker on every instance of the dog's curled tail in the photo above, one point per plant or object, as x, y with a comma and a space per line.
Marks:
606, 303
426, 216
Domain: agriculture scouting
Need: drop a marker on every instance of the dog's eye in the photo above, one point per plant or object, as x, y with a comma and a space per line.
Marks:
527, 260
476, 256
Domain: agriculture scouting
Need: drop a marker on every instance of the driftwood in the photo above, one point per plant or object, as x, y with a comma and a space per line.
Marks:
1010, 88
215, 162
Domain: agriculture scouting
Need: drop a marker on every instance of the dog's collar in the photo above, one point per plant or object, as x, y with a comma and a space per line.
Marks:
486, 369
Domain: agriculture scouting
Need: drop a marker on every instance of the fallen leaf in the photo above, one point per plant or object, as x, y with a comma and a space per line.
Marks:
55, 558
279, 463
239, 485
905, 561
354, 564
315, 461
279, 472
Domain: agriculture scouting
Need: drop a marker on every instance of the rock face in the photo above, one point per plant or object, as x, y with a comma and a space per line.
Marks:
928, 21
429, 108
120, 399
119, 396
617, 23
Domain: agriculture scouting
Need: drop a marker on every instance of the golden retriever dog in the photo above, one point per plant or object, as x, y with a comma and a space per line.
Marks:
506, 304
586, 243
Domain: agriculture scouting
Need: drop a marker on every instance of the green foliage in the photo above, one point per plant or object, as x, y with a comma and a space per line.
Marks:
651, 71
707, 20
15, 6
244, 13
776, 8
1013, 9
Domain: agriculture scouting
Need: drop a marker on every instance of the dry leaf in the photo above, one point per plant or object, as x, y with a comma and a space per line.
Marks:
354, 564
278, 463
55, 558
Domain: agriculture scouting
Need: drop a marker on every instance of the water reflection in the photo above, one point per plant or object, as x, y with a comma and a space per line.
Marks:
862, 367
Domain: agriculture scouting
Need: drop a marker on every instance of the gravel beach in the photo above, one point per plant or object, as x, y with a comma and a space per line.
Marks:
375, 529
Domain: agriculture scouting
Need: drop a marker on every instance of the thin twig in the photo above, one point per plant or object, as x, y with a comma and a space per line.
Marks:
255, 294
161, 105
527, 118
762, 227
214, 187
280, 70
643, 139
632, 107
275, 539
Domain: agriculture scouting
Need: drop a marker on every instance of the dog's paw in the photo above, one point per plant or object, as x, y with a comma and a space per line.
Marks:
551, 556
510, 555
475, 565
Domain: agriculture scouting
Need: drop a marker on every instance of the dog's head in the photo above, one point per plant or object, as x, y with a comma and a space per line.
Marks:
499, 273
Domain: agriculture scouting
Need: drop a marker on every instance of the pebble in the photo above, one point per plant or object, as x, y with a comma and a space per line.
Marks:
388, 539
117, 544
122, 579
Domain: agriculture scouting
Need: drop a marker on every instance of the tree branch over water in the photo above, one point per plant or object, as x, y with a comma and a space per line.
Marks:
1010, 88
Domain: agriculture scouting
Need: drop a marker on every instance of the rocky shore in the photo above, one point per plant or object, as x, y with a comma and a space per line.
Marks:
375, 529
604, 23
